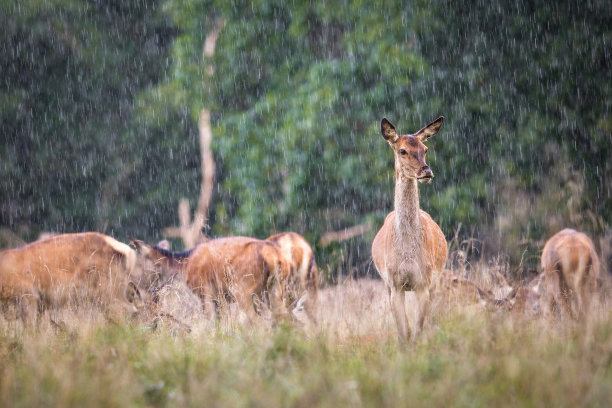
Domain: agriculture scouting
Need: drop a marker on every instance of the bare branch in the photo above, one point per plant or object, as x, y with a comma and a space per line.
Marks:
211, 38
172, 232
345, 234
210, 44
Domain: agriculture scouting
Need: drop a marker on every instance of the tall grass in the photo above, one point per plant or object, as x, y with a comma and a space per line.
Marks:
465, 357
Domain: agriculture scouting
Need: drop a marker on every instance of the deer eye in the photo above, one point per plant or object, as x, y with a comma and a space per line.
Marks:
402, 152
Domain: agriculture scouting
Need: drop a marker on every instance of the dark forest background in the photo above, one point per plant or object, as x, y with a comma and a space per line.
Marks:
100, 100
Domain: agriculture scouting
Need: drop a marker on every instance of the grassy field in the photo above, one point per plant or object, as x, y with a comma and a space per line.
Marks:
465, 357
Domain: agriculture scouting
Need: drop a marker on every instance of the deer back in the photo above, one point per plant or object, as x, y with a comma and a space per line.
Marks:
55, 269
303, 266
236, 267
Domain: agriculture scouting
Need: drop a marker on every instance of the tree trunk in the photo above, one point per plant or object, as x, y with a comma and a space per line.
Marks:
191, 231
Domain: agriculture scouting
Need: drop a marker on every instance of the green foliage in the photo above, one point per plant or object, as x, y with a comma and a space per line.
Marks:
70, 72
526, 86
100, 105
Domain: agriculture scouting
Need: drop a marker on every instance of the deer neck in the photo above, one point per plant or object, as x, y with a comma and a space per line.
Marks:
407, 227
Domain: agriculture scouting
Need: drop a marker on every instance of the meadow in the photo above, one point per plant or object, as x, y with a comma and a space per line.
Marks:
466, 356
187, 119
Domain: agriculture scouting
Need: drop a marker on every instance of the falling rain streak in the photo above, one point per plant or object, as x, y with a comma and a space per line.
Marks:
100, 106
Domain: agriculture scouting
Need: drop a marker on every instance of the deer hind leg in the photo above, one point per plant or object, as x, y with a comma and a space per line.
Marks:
582, 303
577, 300
586, 288
554, 298
566, 296
397, 299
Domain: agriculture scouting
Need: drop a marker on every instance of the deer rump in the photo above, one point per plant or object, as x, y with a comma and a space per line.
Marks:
303, 275
69, 269
302, 285
570, 266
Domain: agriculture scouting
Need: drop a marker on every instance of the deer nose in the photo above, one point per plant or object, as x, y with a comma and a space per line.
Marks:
426, 172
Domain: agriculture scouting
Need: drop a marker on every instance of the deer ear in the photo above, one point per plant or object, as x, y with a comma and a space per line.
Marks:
136, 242
388, 131
430, 130
164, 244
484, 299
141, 246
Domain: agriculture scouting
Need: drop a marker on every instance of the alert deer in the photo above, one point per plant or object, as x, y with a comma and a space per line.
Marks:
303, 280
229, 269
86, 267
410, 247
570, 268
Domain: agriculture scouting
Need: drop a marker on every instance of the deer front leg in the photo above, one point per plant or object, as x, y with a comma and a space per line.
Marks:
28, 306
276, 298
424, 299
398, 307
311, 308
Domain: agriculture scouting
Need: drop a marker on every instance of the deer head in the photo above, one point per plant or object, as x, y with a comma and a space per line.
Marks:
410, 151
157, 264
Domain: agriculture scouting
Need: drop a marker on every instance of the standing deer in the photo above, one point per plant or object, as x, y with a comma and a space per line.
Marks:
570, 267
410, 246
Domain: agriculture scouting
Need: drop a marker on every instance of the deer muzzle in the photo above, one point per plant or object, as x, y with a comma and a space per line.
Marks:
425, 175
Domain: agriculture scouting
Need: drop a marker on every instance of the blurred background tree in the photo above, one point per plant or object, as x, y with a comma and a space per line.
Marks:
70, 73
100, 106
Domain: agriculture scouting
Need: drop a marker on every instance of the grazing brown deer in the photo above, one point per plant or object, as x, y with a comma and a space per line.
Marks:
229, 269
525, 299
303, 280
85, 267
570, 268
453, 289
410, 247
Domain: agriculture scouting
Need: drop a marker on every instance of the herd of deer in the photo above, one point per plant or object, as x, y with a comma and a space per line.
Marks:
280, 272
74, 269
410, 251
